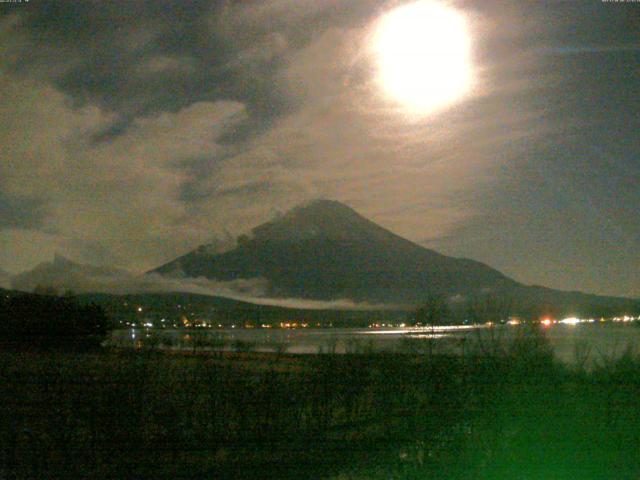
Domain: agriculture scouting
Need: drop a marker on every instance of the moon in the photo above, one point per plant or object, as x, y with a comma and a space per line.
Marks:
423, 53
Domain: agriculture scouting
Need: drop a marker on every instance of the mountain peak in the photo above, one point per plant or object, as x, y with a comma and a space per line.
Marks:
320, 209
323, 205
316, 219
60, 260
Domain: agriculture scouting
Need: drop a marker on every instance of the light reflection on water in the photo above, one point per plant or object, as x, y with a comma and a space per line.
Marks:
424, 330
600, 340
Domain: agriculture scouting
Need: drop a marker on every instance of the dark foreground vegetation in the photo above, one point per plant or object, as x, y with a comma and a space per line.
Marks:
48, 321
509, 412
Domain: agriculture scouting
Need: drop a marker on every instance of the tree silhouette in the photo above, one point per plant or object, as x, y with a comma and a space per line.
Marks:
435, 311
50, 319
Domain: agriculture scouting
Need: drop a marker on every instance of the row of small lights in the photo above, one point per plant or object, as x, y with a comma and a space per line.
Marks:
575, 321
204, 324
513, 321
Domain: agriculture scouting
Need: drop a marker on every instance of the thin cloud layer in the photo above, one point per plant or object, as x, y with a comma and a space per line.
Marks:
66, 276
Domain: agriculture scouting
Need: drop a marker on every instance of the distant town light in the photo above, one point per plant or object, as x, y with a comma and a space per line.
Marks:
570, 321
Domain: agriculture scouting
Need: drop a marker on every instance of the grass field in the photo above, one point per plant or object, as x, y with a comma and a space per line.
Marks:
511, 414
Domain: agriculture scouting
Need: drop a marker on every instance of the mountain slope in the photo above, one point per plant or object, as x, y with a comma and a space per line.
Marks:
325, 250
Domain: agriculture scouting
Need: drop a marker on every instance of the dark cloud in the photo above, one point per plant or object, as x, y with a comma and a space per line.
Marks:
137, 58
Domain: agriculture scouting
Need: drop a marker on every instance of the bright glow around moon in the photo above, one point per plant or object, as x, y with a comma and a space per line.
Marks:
424, 55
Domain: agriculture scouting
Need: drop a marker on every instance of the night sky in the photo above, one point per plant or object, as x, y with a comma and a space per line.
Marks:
132, 132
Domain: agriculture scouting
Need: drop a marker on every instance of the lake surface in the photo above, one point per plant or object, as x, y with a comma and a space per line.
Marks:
570, 343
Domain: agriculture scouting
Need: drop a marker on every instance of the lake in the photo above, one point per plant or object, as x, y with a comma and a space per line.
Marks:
570, 343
